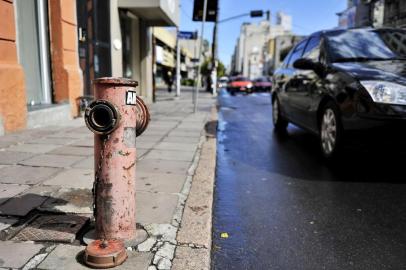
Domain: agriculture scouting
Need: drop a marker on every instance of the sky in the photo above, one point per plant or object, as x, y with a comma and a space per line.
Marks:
308, 16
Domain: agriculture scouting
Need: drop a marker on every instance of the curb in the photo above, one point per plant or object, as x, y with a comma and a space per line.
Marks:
193, 249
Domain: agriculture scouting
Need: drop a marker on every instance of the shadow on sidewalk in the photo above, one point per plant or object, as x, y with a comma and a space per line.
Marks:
34, 217
211, 128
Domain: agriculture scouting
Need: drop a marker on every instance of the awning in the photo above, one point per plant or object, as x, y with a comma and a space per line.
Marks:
155, 12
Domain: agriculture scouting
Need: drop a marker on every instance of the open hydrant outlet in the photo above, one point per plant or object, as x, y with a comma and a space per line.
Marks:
102, 117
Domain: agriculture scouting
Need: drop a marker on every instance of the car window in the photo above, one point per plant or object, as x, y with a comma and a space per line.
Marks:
286, 60
312, 50
297, 52
356, 45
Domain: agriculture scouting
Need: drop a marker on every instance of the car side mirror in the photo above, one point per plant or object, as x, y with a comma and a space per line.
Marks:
308, 64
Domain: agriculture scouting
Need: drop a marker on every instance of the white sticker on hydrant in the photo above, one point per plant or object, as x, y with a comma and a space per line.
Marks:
131, 98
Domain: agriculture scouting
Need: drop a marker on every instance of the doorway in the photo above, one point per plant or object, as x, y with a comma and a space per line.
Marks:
33, 50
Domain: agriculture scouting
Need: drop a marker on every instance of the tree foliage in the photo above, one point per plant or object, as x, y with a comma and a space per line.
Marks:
206, 68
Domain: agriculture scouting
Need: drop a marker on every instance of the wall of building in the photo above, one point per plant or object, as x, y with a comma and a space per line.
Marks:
116, 41
13, 110
66, 74
395, 13
251, 56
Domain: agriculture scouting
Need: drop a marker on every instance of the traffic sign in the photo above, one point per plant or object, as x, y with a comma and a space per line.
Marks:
187, 35
211, 13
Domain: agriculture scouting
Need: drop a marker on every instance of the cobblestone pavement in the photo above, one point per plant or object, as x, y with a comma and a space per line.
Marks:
46, 177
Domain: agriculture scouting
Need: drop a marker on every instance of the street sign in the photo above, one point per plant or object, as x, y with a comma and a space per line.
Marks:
187, 35
211, 13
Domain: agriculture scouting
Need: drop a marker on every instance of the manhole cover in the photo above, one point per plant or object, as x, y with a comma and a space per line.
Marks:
55, 228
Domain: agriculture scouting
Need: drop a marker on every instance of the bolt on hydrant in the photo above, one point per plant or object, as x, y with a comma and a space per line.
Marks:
116, 117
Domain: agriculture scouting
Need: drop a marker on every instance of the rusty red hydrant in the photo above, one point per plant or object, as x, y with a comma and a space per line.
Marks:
116, 117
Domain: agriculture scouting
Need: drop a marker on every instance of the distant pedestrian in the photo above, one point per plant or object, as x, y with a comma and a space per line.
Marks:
169, 80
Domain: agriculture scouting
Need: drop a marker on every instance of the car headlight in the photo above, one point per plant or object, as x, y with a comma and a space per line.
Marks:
249, 85
386, 92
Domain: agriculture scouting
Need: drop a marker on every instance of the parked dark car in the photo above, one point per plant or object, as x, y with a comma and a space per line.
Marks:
342, 80
262, 84
239, 84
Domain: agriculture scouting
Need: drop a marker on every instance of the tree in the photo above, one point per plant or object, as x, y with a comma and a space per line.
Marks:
206, 68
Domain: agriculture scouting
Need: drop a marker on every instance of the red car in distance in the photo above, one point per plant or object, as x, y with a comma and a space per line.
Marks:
263, 84
240, 84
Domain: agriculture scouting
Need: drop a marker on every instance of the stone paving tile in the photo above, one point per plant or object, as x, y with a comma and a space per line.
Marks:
9, 158
84, 143
190, 147
33, 148
70, 200
71, 257
73, 150
87, 163
190, 126
163, 123
156, 129
8, 191
10, 138
170, 155
152, 182
179, 139
4, 144
155, 133
22, 205
191, 258
70, 135
141, 151
16, 255
163, 166
54, 141
56, 161
26, 174
6, 222
4, 166
145, 144
194, 134
156, 207
72, 178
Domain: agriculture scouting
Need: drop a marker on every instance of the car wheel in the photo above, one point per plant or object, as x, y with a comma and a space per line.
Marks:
279, 123
331, 131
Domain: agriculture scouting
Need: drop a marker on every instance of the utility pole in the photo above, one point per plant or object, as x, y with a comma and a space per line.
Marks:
214, 62
177, 63
199, 81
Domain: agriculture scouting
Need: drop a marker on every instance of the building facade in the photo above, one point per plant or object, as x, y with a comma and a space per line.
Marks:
40, 77
51, 50
251, 56
364, 13
394, 13
279, 47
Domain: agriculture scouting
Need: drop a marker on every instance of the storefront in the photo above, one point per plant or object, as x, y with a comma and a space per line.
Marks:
132, 49
39, 73
165, 56
33, 50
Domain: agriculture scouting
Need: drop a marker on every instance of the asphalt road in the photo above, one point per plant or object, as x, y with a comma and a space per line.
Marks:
283, 207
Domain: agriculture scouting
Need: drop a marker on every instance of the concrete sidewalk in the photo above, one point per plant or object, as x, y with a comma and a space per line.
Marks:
46, 177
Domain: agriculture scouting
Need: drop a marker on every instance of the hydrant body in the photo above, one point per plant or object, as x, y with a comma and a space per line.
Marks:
115, 161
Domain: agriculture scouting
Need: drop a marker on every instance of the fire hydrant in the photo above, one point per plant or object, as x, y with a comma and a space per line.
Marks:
116, 117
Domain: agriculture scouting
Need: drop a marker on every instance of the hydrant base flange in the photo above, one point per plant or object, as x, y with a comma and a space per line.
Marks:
105, 254
140, 236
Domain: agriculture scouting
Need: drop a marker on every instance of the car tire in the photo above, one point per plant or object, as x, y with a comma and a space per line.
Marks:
280, 124
330, 131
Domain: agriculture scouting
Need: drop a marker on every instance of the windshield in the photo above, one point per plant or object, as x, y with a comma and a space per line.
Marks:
264, 79
239, 79
359, 45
